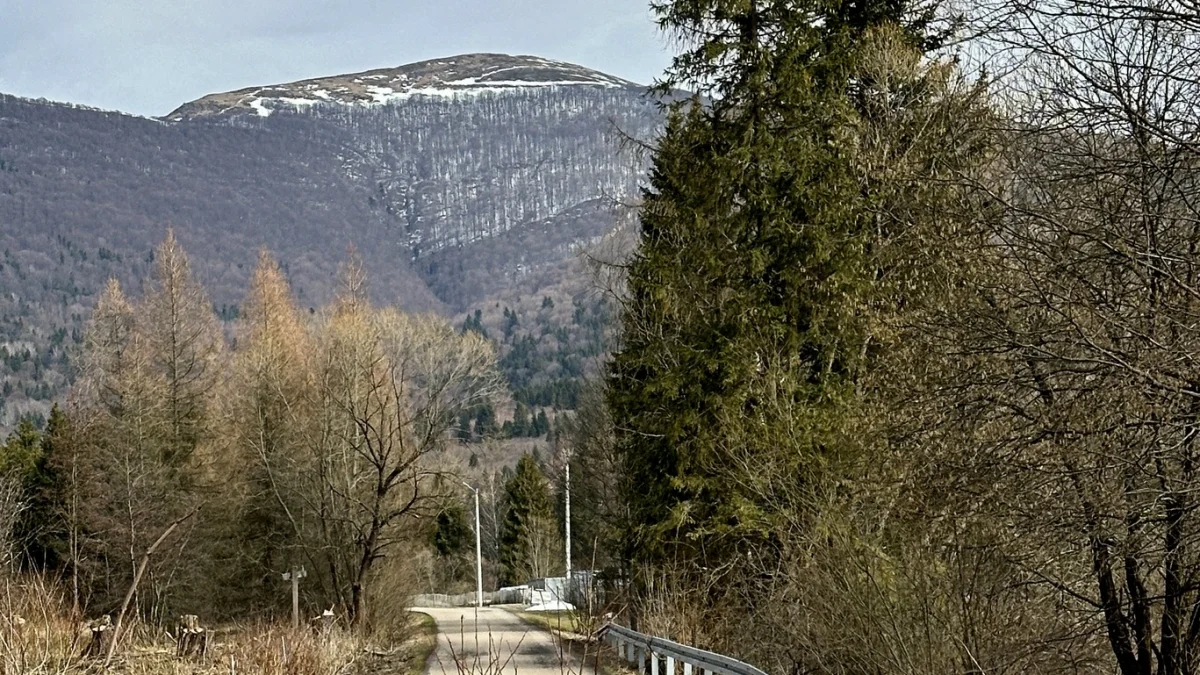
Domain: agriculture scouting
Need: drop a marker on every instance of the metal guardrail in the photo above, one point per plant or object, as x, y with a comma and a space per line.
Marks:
663, 655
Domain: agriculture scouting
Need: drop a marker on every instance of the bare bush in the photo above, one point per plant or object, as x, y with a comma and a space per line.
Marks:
37, 632
271, 649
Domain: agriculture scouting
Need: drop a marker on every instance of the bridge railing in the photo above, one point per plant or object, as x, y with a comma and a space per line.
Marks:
665, 657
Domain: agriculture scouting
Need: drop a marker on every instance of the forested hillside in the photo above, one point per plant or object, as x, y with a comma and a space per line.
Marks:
451, 201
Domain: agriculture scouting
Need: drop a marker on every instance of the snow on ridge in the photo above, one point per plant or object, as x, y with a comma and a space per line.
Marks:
493, 71
505, 84
262, 110
298, 102
380, 94
384, 88
468, 87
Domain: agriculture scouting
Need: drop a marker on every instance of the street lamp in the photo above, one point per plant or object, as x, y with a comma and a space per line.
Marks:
478, 553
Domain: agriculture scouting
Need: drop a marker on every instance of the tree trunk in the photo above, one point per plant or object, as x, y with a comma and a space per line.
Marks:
356, 604
137, 577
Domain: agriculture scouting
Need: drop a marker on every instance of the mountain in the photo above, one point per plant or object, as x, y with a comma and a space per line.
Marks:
465, 183
461, 76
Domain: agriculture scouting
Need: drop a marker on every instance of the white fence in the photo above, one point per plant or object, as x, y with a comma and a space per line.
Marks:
579, 590
669, 658
513, 595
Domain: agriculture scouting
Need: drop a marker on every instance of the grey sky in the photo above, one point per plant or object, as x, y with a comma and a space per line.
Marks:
149, 56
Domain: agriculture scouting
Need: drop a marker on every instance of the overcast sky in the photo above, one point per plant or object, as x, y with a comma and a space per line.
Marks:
149, 56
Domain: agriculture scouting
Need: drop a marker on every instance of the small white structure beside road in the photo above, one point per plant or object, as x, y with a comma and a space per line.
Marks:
547, 594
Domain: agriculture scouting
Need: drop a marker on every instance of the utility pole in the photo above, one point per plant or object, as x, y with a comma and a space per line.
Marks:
478, 553
567, 519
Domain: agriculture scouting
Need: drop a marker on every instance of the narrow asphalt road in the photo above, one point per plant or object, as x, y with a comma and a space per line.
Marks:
491, 641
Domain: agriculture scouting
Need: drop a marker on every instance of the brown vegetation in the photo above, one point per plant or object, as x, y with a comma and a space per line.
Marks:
38, 634
196, 470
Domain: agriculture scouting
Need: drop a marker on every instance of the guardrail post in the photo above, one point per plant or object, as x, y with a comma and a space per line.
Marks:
630, 650
687, 668
670, 665
653, 663
641, 660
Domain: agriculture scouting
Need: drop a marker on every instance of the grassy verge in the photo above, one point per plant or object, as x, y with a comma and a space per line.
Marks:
402, 652
572, 633
421, 644
554, 621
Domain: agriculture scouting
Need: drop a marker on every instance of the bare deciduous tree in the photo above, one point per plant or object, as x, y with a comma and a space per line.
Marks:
185, 341
381, 393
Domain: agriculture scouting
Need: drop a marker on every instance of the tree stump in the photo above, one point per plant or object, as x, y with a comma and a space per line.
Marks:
191, 638
100, 632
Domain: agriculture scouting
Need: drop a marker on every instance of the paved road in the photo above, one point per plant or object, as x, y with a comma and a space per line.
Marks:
492, 642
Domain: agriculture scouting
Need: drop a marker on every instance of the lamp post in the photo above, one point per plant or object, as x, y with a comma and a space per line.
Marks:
478, 553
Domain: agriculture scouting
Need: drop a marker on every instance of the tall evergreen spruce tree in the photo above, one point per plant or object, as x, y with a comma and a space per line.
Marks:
45, 519
743, 332
526, 527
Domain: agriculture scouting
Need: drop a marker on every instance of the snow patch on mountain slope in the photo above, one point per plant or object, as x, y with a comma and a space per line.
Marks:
258, 107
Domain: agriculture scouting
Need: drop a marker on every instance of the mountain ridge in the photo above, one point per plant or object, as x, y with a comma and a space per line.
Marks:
463, 75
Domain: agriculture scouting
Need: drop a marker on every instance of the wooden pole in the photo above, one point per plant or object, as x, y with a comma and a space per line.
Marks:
294, 576
295, 598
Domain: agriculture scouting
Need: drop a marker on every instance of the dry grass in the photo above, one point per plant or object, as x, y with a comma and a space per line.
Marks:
39, 637
258, 649
36, 635
575, 637
271, 649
